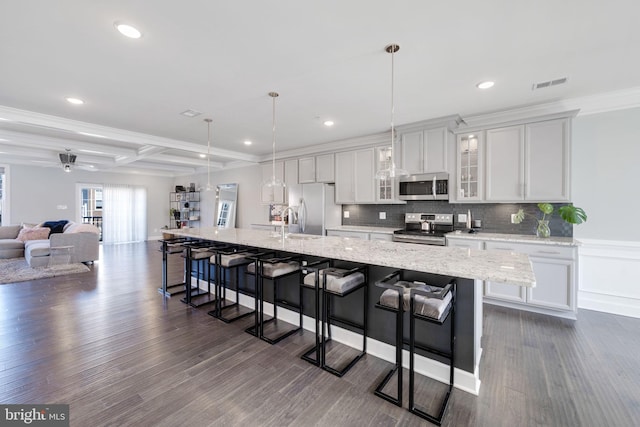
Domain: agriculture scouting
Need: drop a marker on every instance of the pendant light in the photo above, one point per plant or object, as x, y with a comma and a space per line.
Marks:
274, 184
209, 187
392, 171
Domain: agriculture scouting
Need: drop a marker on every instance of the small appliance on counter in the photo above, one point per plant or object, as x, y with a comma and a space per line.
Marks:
425, 229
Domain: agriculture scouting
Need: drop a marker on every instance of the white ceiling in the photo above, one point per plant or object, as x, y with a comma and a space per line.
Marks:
325, 58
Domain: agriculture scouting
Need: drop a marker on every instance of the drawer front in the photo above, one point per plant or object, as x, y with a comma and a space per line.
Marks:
465, 243
544, 250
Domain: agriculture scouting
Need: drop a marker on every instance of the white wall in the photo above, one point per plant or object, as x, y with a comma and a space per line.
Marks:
36, 192
249, 209
605, 171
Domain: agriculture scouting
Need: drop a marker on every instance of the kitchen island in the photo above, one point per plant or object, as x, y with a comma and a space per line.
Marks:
432, 264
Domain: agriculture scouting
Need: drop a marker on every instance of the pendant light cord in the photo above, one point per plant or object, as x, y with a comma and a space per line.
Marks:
273, 140
208, 153
393, 136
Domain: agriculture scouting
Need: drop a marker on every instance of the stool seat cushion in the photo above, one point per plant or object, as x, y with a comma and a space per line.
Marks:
200, 253
174, 248
231, 260
424, 306
339, 285
276, 269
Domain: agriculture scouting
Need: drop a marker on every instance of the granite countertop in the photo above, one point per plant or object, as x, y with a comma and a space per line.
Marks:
516, 238
497, 266
364, 229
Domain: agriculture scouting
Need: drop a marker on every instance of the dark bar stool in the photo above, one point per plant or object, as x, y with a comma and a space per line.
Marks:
230, 260
433, 305
198, 251
273, 269
396, 300
171, 247
340, 283
310, 279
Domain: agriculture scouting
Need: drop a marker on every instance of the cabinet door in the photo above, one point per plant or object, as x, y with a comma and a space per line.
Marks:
306, 170
412, 152
547, 161
385, 188
364, 176
325, 168
435, 147
502, 291
272, 195
504, 172
381, 236
470, 172
554, 284
345, 177
465, 243
293, 190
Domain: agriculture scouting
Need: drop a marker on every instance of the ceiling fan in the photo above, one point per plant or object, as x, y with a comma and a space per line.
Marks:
68, 160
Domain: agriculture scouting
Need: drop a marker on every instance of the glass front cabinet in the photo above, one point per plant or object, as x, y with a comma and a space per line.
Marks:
470, 172
386, 189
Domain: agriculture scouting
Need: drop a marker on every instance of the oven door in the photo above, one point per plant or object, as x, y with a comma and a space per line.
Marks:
420, 239
424, 187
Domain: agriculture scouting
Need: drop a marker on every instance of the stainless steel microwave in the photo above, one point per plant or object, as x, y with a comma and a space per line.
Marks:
429, 186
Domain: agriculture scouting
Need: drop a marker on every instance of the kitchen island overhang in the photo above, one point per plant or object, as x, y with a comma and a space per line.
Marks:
426, 263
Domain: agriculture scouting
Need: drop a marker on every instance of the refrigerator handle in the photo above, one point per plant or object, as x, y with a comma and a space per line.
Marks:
302, 215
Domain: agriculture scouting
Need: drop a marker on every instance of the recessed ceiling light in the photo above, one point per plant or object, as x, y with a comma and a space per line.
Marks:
485, 85
4, 120
328, 123
128, 30
74, 101
191, 113
3, 140
202, 156
247, 142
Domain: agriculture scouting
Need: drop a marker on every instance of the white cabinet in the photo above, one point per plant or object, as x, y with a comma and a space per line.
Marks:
385, 237
554, 268
425, 151
528, 162
355, 173
469, 167
547, 161
325, 166
465, 243
504, 174
386, 189
316, 169
306, 170
269, 194
348, 234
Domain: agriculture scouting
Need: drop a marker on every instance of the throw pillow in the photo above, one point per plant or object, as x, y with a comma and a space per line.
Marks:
36, 233
56, 226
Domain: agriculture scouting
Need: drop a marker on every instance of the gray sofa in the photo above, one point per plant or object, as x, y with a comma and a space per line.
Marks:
84, 239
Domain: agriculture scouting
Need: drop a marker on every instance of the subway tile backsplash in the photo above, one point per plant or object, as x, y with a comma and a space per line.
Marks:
496, 217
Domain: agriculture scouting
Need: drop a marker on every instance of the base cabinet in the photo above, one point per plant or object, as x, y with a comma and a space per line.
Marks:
361, 235
554, 267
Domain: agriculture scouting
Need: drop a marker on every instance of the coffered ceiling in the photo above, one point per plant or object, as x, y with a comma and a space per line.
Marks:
325, 58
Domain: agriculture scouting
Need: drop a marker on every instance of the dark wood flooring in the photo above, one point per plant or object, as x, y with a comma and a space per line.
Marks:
107, 343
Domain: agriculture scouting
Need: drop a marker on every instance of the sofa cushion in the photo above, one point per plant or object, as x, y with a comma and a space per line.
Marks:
36, 248
9, 231
36, 233
56, 226
81, 228
11, 244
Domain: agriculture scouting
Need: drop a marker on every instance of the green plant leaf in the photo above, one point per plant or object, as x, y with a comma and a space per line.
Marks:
519, 217
546, 208
572, 214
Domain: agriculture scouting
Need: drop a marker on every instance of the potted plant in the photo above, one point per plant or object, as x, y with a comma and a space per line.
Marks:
569, 213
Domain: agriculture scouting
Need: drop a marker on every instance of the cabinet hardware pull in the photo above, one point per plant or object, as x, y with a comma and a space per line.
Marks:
548, 252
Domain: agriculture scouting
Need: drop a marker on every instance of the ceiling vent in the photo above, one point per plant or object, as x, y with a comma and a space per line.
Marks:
191, 113
549, 83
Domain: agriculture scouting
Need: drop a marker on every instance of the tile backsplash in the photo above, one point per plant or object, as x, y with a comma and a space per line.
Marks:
496, 217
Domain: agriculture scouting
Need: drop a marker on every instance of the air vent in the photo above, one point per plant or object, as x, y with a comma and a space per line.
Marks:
191, 113
549, 83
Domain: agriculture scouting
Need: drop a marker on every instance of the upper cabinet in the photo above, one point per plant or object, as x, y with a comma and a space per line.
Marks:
316, 169
355, 174
469, 167
424, 146
386, 189
528, 162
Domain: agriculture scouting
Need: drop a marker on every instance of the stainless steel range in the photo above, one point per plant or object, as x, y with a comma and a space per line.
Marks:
425, 229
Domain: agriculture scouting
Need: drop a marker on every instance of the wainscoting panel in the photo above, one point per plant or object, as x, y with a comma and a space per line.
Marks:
609, 278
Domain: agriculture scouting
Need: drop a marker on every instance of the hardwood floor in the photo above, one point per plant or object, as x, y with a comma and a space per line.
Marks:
107, 343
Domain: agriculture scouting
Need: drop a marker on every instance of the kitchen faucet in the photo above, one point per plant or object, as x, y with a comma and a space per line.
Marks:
293, 212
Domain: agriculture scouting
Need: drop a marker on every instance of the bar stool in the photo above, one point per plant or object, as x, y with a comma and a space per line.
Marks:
171, 247
337, 283
310, 279
229, 259
274, 269
198, 251
434, 306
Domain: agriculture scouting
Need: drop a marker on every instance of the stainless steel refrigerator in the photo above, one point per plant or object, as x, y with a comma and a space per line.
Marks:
315, 206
